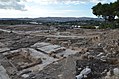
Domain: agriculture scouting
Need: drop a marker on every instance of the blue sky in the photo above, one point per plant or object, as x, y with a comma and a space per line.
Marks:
47, 8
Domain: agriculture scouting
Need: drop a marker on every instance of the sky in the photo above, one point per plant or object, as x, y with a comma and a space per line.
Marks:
47, 8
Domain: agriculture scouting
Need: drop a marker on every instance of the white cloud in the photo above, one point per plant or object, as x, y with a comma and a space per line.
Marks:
69, 1
21, 4
35, 12
36, 8
12, 4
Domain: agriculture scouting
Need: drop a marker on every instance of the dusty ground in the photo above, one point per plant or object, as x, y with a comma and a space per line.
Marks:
97, 49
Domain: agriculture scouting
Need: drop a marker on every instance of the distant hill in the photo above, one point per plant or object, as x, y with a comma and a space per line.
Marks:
54, 19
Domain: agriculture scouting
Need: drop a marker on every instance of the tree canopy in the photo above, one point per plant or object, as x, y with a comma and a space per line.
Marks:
107, 11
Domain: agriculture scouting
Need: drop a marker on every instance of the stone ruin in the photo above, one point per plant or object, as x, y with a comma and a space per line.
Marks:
34, 58
23, 59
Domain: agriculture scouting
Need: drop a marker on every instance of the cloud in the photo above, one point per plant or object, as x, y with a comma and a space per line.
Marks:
12, 4
21, 4
69, 1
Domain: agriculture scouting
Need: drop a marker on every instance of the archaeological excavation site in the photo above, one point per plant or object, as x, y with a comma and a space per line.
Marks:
42, 52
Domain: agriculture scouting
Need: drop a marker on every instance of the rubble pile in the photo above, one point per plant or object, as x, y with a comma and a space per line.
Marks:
101, 58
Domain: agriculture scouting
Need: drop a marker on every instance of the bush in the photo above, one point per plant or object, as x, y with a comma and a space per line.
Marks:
113, 25
88, 27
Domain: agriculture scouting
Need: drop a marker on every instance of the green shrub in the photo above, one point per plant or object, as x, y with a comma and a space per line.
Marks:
88, 27
113, 25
